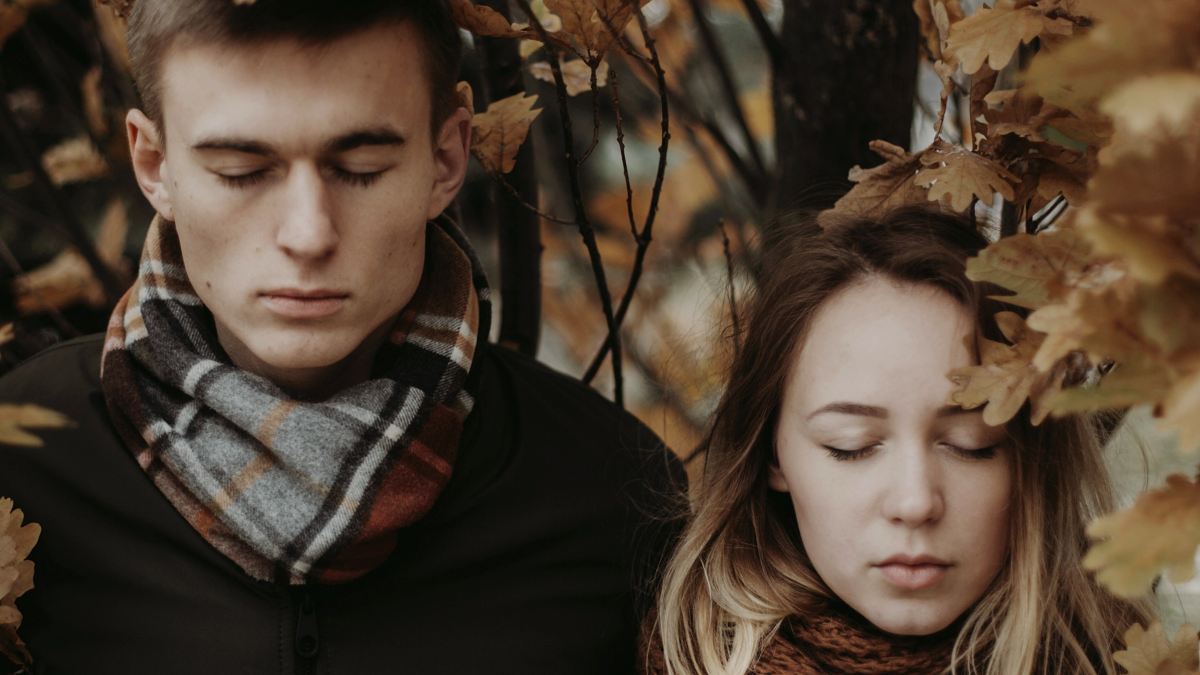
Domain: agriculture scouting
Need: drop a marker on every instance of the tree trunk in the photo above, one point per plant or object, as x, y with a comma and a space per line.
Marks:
849, 78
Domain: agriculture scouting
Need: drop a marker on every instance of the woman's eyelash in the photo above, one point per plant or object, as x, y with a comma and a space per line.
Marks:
843, 455
986, 452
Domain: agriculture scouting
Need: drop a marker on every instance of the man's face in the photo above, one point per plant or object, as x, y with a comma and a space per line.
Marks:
300, 179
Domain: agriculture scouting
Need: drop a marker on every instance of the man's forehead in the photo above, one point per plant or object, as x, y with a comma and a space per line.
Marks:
279, 88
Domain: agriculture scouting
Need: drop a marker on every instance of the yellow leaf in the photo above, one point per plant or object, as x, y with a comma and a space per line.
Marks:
1161, 530
879, 189
992, 34
93, 101
15, 419
955, 175
498, 133
1162, 102
1127, 384
591, 23
1039, 268
1102, 323
577, 74
1149, 652
74, 161
1006, 376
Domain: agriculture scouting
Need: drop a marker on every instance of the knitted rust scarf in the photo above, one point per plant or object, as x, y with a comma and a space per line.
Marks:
294, 491
837, 641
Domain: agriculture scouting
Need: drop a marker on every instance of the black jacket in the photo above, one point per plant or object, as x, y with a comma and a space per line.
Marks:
534, 560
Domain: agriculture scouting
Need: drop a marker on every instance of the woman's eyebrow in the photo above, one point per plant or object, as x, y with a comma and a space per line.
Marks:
846, 408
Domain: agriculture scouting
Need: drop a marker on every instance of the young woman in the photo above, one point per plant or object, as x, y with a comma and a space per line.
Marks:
849, 520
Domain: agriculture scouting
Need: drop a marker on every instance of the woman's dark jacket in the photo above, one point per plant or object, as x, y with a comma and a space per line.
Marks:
538, 557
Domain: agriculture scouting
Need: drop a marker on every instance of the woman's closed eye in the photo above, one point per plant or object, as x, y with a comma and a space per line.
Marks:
849, 454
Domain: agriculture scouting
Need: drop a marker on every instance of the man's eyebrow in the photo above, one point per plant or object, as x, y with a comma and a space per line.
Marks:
234, 144
851, 409
357, 139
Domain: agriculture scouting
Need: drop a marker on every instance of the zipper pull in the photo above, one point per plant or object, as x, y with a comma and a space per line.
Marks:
308, 640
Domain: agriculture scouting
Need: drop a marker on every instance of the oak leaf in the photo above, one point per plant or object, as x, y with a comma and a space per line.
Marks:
1150, 652
992, 34
1103, 323
936, 17
592, 23
1127, 384
16, 577
1038, 269
498, 133
1181, 412
68, 279
1006, 377
577, 74
485, 21
15, 419
1161, 530
881, 188
956, 176
73, 161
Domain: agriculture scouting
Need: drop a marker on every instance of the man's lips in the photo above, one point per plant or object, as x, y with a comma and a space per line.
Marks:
913, 573
304, 303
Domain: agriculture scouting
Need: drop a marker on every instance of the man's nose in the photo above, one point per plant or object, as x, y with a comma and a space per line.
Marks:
914, 496
307, 230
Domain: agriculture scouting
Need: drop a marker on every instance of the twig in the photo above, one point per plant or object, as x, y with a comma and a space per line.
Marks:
512, 191
595, 91
725, 77
776, 51
644, 237
585, 227
733, 310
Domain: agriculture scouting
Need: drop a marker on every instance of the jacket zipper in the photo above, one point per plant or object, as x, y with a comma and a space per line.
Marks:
308, 638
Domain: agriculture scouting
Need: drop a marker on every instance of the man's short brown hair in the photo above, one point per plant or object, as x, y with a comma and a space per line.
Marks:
154, 25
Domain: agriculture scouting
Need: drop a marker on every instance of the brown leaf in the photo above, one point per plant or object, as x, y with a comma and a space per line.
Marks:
93, 101
498, 133
956, 175
485, 21
7, 333
1006, 376
1161, 530
1149, 652
15, 419
67, 279
992, 34
1103, 323
588, 22
936, 17
1181, 412
1039, 269
16, 577
1021, 115
577, 74
74, 161
879, 189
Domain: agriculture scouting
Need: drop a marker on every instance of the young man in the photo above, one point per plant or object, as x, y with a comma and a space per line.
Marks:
294, 451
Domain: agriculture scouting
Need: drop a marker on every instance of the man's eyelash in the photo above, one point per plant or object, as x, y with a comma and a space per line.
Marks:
349, 177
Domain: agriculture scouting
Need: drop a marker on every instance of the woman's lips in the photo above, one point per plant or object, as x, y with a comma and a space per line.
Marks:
304, 304
913, 573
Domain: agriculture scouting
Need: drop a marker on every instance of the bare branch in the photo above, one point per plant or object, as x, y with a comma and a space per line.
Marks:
733, 308
581, 220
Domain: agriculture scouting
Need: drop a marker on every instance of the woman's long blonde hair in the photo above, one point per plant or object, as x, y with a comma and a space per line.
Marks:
740, 567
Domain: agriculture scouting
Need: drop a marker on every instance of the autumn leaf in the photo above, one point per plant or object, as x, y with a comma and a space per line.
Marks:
1101, 323
7, 333
1179, 412
1038, 269
577, 74
498, 133
73, 161
936, 17
879, 189
68, 279
13, 14
956, 175
1150, 652
1161, 530
16, 418
16, 577
591, 23
1006, 376
992, 34
485, 21
1127, 384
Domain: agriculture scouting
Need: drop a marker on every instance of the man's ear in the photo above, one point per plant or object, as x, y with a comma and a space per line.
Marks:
147, 150
451, 151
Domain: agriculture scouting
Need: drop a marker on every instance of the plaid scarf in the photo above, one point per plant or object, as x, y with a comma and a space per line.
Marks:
295, 491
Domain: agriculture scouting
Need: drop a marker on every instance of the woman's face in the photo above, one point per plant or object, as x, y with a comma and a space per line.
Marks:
902, 501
